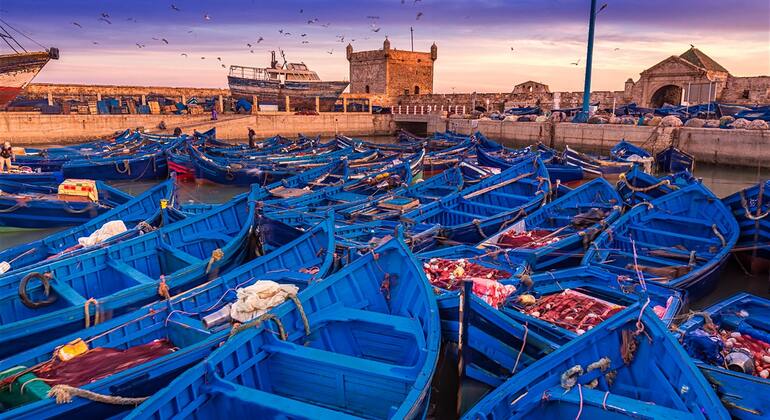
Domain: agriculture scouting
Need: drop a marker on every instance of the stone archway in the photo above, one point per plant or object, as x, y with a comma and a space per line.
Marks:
668, 94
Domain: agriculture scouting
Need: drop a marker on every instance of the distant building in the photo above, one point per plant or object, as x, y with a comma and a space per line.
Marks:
390, 72
694, 78
530, 87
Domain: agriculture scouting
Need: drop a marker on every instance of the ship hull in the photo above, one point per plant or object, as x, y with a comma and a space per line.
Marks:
272, 92
17, 70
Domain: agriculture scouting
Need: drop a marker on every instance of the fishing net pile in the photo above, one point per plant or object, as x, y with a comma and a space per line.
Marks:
758, 125
450, 274
671, 121
526, 239
570, 309
695, 123
740, 124
97, 363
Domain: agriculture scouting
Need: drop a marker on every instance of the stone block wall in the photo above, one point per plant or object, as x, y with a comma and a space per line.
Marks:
747, 90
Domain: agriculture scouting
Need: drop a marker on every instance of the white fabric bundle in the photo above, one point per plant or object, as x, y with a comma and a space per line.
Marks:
259, 298
107, 231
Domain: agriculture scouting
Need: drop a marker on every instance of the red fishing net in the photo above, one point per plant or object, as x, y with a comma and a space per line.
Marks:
760, 350
572, 310
527, 239
449, 274
100, 362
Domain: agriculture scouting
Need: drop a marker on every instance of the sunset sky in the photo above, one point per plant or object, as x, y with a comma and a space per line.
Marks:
474, 38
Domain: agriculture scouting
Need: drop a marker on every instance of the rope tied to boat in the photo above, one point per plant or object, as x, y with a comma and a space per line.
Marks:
126, 167
521, 350
643, 203
216, 255
622, 178
477, 223
302, 314
163, 290
88, 207
45, 279
87, 312
719, 235
64, 393
20, 202
257, 322
747, 212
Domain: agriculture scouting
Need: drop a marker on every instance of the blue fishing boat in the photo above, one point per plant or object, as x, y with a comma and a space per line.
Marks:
362, 145
40, 304
564, 304
400, 201
136, 354
495, 155
357, 239
145, 164
681, 240
628, 367
750, 207
482, 210
144, 208
595, 167
33, 177
40, 206
626, 151
637, 186
558, 233
673, 159
367, 340
729, 341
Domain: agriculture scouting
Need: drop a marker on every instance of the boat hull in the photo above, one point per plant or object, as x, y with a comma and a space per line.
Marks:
17, 70
273, 92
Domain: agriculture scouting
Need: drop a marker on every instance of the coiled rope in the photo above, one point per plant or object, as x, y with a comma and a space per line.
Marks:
622, 178
126, 167
87, 312
747, 212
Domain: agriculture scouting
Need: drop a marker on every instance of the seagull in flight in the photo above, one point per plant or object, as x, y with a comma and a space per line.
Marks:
206, 17
175, 8
576, 62
330, 52
184, 55
104, 19
260, 40
77, 24
419, 15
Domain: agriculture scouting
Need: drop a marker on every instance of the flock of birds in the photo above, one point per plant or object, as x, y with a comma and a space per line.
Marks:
303, 38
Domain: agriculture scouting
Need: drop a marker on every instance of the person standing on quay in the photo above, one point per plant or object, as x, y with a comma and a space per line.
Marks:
252, 138
6, 156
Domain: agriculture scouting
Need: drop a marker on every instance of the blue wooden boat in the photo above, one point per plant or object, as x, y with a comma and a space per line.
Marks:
44, 178
40, 304
362, 145
482, 210
495, 155
750, 207
150, 164
361, 188
594, 167
357, 239
190, 323
626, 151
637, 186
589, 292
673, 159
731, 368
681, 240
369, 347
558, 233
40, 206
144, 208
400, 201
628, 367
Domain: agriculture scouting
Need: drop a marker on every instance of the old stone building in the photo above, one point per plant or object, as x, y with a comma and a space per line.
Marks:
694, 78
390, 72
